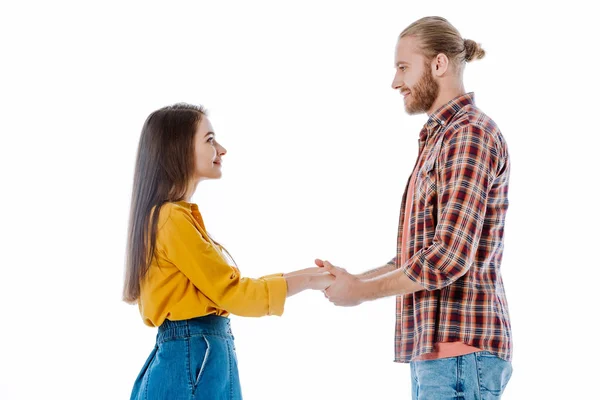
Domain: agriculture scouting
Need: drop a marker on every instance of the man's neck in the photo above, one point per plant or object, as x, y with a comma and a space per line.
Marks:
445, 96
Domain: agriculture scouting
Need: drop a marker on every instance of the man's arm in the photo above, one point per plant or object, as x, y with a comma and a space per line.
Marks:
350, 290
373, 273
393, 283
470, 161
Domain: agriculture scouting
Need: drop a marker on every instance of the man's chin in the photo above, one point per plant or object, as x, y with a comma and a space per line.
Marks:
413, 111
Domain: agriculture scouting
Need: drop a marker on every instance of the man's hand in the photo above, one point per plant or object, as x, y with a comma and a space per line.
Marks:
345, 290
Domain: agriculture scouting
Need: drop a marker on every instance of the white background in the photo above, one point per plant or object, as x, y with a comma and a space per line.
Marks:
319, 153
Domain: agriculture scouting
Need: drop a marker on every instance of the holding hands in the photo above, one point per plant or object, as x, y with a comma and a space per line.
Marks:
346, 289
339, 286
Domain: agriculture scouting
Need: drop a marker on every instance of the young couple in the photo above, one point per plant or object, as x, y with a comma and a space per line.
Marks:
452, 317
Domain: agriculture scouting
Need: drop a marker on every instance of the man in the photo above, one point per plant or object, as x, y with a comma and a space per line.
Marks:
452, 316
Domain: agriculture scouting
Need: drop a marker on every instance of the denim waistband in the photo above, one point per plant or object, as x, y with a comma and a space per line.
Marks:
207, 325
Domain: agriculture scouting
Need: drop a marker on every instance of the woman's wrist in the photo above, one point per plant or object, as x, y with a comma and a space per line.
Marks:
302, 272
296, 283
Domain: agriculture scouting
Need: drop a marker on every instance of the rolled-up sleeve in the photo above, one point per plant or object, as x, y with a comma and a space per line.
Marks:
185, 247
468, 162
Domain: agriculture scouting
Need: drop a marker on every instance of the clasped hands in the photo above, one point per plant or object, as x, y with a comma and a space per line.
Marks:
339, 286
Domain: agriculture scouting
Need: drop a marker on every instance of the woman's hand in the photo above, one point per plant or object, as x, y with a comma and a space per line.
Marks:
321, 280
309, 278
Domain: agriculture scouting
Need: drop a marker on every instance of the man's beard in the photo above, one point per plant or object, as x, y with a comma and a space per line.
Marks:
423, 94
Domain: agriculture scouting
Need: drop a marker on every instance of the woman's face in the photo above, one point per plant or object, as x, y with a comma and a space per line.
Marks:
208, 152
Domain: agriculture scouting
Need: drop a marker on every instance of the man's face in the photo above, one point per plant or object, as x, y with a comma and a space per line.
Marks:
413, 77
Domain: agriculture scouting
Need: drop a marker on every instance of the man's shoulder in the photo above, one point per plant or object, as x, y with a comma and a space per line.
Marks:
471, 120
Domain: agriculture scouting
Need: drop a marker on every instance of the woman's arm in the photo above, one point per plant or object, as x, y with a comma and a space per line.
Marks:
304, 271
309, 278
183, 246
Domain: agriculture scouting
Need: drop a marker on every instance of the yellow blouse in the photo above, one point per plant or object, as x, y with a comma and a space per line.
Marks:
189, 276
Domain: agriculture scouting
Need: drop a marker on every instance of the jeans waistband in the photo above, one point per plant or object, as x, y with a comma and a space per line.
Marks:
207, 325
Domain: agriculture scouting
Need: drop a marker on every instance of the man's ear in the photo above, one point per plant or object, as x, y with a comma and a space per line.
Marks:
439, 65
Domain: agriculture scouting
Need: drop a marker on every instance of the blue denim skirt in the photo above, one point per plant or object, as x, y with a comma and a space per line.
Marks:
192, 359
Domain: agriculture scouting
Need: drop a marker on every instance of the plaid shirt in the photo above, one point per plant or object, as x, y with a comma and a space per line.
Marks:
456, 234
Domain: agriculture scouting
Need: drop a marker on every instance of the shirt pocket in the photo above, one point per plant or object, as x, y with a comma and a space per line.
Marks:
426, 183
426, 189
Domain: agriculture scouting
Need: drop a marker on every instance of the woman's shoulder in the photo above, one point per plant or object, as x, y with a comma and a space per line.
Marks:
177, 221
174, 213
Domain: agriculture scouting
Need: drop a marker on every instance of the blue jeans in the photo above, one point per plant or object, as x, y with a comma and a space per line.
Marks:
192, 359
475, 376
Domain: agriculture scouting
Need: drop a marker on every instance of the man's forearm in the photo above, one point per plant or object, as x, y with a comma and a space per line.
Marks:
393, 283
377, 271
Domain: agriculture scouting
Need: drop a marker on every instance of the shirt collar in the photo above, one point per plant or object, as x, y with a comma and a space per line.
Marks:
186, 204
443, 115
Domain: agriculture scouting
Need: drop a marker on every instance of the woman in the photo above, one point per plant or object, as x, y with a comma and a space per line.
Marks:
179, 276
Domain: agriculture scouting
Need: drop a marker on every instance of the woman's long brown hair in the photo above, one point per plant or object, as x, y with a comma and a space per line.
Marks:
163, 170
